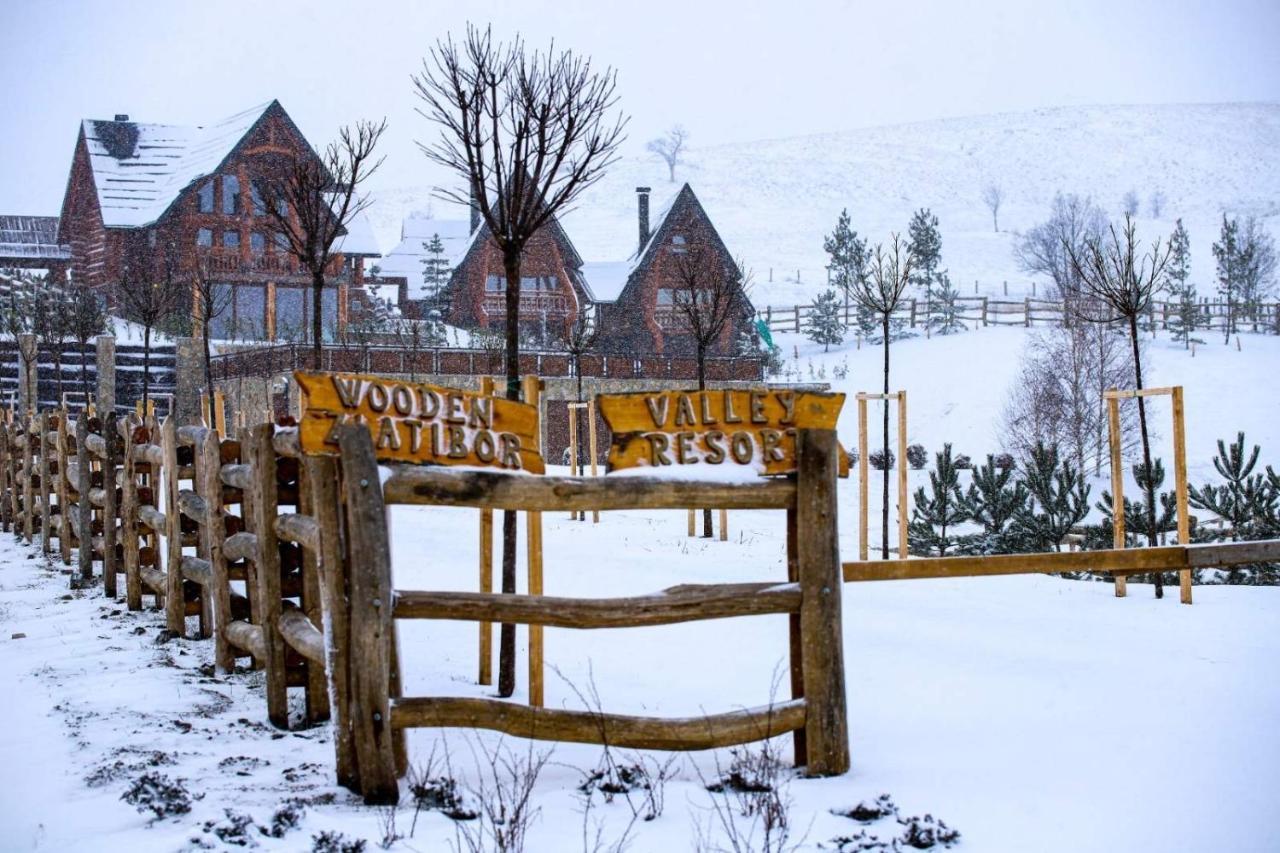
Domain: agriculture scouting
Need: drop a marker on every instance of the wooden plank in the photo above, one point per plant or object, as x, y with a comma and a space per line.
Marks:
317, 688
237, 476
42, 469
681, 604
64, 501
1131, 561
245, 636
752, 429
84, 513
710, 731
485, 675
863, 477
501, 491
818, 573
1129, 393
414, 422
1117, 486
129, 520
196, 569
214, 532
593, 449
533, 536
1180, 487
800, 750
369, 567
175, 609
1221, 554
153, 518
192, 505
322, 473
153, 579
257, 441
240, 546
903, 550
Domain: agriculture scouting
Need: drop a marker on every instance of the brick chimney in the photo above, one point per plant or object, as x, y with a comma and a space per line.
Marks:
643, 193
122, 116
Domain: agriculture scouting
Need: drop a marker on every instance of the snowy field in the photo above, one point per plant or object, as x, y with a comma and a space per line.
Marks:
1030, 713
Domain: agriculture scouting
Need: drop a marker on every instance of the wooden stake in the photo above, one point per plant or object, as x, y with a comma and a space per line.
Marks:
795, 637
486, 570
129, 522
1180, 487
110, 510
693, 523
262, 458
175, 603
724, 525
575, 469
863, 492
219, 413
64, 499
591, 429
532, 387
84, 541
213, 532
1117, 486
42, 471
902, 475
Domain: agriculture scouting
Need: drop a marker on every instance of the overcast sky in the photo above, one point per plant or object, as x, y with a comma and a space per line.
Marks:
729, 71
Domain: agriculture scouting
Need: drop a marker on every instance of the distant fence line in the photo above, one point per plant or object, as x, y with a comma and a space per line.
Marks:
991, 311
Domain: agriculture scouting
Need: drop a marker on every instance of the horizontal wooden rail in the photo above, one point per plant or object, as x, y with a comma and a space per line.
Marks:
236, 476
153, 518
241, 546
197, 570
491, 490
98, 497
1130, 393
191, 436
191, 505
687, 733
153, 579
152, 454
301, 529
678, 604
869, 396
247, 637
96, 444
1122, 561
299, 632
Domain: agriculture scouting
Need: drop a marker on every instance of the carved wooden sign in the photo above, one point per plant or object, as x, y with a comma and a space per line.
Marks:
749, 428
413, 422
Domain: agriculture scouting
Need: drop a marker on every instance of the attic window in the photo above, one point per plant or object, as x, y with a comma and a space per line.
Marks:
231, 239
230, 195
678, 244
204, 237
205, 196
255, 195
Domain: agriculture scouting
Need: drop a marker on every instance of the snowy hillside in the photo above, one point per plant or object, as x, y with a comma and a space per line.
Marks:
774, 200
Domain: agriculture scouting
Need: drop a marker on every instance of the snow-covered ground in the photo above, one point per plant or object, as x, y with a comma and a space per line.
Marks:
1031, 713
774, 200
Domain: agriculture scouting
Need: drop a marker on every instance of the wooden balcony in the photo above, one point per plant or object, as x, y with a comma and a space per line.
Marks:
531, 304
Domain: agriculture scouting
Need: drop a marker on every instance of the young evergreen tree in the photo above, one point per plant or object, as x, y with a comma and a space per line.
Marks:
925, 242
1058, 501
848, 254
936, 514
435, 268
993, 500
1248, 503
1257, 268
1179, 287
946, 318
825, 324
1227, 254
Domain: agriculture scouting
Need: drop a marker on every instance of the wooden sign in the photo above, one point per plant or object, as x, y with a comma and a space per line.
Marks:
413, 422
750, 428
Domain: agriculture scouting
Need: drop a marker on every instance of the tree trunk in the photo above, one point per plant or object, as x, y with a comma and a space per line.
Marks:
507, 634
84, 372
208, 367
884, 509
702, 386
1146, 450
146, 367
317, 325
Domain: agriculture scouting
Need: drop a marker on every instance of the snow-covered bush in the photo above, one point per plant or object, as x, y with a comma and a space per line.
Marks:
917, 456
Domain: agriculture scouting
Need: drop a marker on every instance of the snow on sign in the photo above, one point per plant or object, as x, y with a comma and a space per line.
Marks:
413, 422
755, 429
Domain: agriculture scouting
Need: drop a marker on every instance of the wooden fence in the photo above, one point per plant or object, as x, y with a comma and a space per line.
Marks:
1029, 311
285, 562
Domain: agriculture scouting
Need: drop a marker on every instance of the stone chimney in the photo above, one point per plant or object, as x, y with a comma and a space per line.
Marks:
475, 210
122, 116
643, 193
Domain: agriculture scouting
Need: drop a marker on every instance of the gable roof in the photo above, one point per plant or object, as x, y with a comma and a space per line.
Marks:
407, 258
32, 237
139, 169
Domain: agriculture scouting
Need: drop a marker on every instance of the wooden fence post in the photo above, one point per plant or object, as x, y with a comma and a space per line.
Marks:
984, 311
175, 603
5, 480
65, 536
486, 567
317, 686
111, 441
818, 572
903, 493
129, 521
1180, 487
532, 394
863, 491
1117, 487
369, 565
42, 471
208, 457
84, 541
262, 458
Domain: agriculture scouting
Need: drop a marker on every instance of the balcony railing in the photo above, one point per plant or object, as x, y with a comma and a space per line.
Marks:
530, 304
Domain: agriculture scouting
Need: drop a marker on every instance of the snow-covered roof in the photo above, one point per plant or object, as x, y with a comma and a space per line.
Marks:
139, 169
34, 237
606, 279
407, 257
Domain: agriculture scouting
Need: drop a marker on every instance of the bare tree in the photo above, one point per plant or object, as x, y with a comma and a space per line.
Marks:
209, 301
670, 148
86, 319
150, 304
49, 323
1072, 221
992, 196
528, 132
1124, 284
582, 336
709, 294
880, 293
312, 202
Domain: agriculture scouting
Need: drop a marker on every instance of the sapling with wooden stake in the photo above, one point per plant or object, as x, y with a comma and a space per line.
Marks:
1122, 284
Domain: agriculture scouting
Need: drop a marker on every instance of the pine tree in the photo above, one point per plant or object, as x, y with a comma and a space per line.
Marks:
849, 256
935, 516
1059, 500
993, 500
826, 327
435, 267
925, 242
1135, 512
1179, 287
1249, 503
1227, 253
947, 319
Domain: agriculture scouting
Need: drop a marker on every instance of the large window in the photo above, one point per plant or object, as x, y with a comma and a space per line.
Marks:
257, 242
205, 197
282, 242
231, 239
255, 196
528, 283
204, 237
293, 313
251, 312
222, 324
670, 296
678, 245
230, 195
